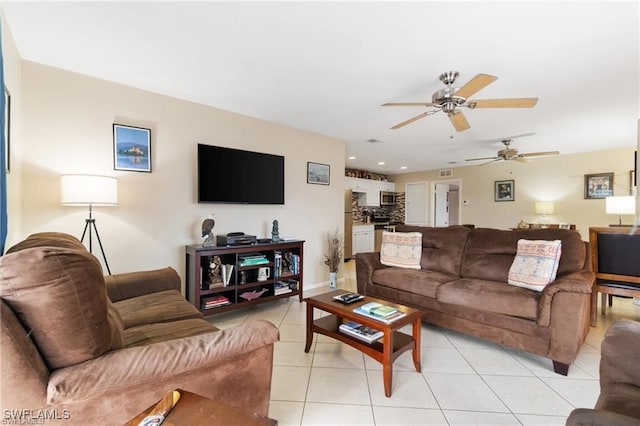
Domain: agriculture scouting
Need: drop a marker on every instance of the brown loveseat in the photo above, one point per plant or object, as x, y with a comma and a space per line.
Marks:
462, 285
619, 400
80, 348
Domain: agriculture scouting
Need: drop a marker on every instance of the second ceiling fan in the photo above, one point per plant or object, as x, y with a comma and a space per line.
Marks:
508, 154
450, 99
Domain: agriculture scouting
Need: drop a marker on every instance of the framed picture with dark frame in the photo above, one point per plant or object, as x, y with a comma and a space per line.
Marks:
131, 148
317, 173
598, 185
504, 190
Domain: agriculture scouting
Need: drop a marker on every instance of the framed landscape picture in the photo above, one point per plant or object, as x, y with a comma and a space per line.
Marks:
318, 173
131, 148
599, 185
504, 190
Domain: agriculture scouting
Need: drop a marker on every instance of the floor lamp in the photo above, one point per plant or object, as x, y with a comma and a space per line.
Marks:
89, 190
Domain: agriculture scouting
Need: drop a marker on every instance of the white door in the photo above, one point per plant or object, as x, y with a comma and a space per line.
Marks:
416, 203
441, 205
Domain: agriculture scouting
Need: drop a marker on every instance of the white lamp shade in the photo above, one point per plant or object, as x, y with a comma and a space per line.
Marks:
544, 207
624, 204
83, 190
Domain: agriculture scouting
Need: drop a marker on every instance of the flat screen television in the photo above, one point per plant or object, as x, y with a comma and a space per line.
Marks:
228, 175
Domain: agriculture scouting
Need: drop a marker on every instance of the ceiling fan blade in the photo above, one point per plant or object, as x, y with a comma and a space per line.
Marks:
521, 159
427, 104
411, 120
536, 154
483, 158
489, 162
459, 121
504, 103
474, 85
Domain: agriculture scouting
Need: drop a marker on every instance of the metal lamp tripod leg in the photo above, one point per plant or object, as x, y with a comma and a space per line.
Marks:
90, 224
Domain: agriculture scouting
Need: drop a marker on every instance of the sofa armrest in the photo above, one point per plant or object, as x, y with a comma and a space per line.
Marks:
366, 265
620, 354
133, 284
145, 366
590, 417
580, 282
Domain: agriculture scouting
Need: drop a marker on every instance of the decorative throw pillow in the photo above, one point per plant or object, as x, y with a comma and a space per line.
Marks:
401, 249
535, 264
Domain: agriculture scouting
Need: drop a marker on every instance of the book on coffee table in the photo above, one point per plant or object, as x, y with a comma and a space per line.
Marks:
359, 331
387, 313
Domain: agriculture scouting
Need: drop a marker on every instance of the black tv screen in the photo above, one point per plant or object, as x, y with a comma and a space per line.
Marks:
227, 175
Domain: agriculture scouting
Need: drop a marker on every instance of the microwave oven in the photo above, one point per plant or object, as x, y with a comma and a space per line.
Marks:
387, 198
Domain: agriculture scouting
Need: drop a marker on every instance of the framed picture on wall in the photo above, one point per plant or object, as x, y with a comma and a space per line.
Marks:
504, 190
598, 185
318, 173
131, 148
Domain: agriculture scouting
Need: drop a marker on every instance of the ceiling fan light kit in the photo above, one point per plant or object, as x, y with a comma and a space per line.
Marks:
450, 99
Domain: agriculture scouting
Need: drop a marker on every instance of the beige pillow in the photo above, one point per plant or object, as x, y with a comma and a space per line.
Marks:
401, 249
536, 264
59, 295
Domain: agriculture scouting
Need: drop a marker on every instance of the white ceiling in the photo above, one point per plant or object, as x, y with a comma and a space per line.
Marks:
327, 67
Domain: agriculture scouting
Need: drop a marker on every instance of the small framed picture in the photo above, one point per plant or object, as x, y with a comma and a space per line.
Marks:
564, 226
318, 173
504, 190
599, 185
131, 148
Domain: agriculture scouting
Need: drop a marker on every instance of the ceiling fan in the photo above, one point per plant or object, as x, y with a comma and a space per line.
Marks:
450, 99
508, 154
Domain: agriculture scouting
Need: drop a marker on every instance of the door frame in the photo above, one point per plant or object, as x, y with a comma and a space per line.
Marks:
432, 187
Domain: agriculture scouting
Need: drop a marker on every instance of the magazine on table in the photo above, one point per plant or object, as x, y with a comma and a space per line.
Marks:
388, 319
348, 297
360, 331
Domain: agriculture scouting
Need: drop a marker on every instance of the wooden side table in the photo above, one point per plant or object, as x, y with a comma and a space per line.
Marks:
193, 409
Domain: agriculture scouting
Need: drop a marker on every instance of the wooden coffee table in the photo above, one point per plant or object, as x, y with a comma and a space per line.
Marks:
394, 343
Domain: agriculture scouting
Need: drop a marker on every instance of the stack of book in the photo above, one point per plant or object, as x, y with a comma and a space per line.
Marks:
277, 265
251, 259
281, 287
215, 301
380, 312
359, 331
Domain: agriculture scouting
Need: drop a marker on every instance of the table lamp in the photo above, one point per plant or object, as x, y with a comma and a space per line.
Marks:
622, 204
89, 190
544, 208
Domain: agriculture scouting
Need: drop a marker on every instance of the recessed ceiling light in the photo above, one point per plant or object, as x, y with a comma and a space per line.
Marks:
380, 163
403, 167
351, 157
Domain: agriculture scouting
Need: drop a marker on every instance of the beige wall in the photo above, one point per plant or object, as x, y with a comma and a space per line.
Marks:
556, 178
68, 129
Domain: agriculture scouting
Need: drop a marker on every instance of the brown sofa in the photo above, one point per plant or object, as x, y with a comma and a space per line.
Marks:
619, 400
462, 285
80, 348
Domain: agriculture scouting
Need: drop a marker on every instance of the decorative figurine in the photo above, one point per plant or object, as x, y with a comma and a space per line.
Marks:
275, 235
207, 227
215, 274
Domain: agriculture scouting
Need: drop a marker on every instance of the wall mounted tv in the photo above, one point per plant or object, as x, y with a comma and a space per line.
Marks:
227, 175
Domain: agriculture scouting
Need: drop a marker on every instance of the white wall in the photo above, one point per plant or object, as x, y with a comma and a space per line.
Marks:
68, 129
555, 178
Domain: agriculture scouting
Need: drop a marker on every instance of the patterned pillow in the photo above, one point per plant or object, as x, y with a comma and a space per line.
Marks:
535, 264
401, 249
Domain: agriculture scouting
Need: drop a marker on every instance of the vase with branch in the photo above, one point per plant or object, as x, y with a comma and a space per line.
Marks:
333, 256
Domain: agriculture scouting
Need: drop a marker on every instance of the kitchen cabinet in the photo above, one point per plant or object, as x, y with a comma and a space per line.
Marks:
363, 239
355, 184
387, 186
368, 190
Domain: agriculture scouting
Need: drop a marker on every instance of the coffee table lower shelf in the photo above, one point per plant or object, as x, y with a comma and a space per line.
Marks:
329, 326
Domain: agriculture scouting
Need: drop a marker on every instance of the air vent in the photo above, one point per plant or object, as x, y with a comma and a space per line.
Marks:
373, 140
446, 173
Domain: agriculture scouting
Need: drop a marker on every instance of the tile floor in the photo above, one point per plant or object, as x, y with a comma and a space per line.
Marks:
464, 380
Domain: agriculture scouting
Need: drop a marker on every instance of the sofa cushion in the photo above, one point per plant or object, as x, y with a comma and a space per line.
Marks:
401, 249
492, 296
490, 252
59, 295
48, 239
164, 306
535, 264
143, 335
422, 282
442, 248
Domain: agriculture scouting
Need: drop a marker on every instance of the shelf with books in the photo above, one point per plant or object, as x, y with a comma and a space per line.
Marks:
215, 270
